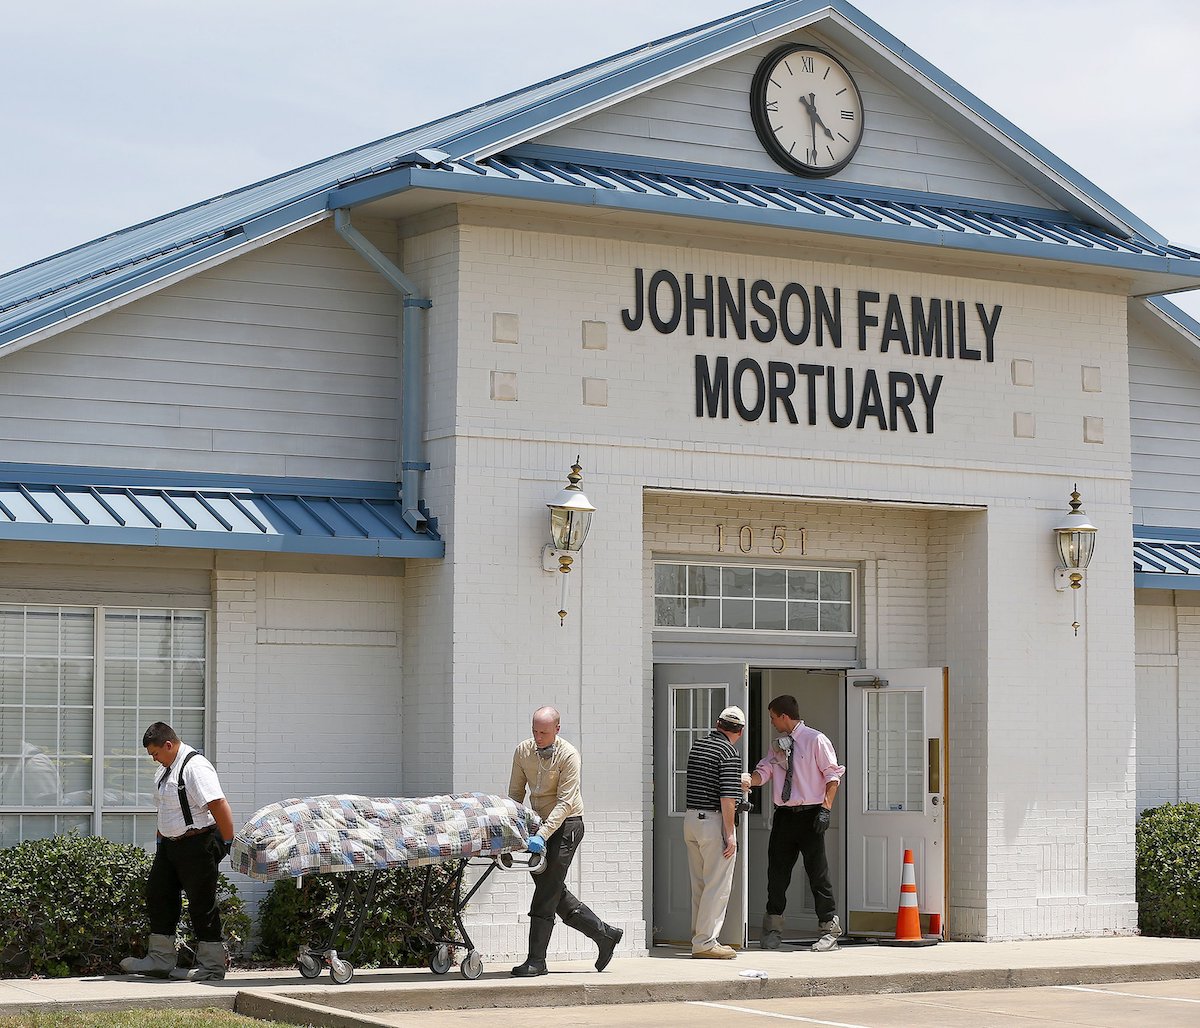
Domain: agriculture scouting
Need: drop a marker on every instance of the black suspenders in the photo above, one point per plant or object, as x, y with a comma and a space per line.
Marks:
183, 800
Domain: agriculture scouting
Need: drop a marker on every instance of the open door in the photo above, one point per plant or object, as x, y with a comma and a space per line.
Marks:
894, 791
687, 700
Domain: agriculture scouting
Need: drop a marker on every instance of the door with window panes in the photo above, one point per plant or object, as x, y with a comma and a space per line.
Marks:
894, 793
687, 700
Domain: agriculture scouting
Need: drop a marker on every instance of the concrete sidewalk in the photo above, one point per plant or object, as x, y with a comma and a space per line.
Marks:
665, 976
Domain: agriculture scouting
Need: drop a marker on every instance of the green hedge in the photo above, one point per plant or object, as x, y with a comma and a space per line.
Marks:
1168, 870
394, 936
75, 905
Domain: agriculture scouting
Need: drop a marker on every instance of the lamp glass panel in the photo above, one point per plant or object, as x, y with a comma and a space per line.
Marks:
1075, 548
569, 528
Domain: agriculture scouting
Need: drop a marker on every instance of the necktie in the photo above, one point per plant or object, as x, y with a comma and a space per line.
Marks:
787, 778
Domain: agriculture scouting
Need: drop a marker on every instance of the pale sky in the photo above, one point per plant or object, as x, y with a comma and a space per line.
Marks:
117, 111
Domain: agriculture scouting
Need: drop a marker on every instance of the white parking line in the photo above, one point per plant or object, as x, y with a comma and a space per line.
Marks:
770, 1013
1131, 995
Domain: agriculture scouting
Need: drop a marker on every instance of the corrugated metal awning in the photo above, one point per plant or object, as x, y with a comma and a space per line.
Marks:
220, 518
1166, 563
786, 197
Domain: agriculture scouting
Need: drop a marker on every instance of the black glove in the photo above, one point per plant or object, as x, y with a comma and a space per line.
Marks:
226, 846
821, 821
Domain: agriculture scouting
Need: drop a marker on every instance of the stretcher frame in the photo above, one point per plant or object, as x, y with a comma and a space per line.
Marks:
313, 959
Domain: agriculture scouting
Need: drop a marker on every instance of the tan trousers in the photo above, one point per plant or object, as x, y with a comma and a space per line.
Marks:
711, 874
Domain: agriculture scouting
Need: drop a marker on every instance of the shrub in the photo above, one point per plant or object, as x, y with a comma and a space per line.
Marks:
394, 936
1168, 870
74, 904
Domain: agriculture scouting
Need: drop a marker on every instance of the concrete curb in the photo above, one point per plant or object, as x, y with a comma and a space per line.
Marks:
351, 1007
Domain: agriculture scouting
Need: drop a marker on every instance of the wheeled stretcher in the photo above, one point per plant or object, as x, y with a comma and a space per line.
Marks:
346, 835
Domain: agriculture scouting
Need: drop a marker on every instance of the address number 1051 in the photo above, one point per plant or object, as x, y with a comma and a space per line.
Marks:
760, 538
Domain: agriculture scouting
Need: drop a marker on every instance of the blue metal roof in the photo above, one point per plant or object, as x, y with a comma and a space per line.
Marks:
1166, 558
281, 519
668, 187
48, 292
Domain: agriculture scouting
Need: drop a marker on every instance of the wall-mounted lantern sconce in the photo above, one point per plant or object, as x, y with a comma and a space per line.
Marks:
1076, 538
570, 519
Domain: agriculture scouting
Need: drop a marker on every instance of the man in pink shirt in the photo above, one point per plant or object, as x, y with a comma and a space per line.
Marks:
804, 775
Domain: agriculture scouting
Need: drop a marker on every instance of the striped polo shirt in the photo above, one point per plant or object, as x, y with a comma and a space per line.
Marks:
714, 771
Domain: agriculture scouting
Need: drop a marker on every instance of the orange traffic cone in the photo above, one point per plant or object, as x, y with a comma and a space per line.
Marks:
908, 916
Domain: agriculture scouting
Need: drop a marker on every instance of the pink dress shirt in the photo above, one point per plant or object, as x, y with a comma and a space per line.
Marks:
813, 765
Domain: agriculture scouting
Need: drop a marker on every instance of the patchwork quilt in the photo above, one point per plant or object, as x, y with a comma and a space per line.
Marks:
328, 834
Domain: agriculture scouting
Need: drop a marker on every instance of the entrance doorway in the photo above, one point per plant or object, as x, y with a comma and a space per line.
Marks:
888, 729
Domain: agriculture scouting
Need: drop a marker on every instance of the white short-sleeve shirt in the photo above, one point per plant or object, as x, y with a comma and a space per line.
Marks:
200, 780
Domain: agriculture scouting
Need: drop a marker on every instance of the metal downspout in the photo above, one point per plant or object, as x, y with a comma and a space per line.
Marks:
411, 462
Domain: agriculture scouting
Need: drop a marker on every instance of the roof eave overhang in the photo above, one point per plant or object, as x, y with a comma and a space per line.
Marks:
182, 539
1146, 274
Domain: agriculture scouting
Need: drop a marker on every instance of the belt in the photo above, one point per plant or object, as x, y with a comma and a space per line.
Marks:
573, 817
702, 813
189, 833
795, 808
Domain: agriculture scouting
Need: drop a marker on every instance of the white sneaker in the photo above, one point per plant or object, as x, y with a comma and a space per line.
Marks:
831, 930
831, 927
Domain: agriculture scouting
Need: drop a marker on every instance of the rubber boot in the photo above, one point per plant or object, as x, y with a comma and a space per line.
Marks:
539, 941
158, 961
605, 936
772, 932
210, 964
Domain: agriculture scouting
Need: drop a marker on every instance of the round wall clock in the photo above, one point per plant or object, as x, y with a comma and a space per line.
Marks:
806, 110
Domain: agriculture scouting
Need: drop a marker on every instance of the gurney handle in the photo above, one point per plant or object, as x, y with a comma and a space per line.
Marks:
534, 864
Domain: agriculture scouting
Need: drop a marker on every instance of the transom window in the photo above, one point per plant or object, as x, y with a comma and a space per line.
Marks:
71, 726
744, 597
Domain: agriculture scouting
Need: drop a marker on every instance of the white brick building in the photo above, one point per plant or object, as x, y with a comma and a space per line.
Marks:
828, 423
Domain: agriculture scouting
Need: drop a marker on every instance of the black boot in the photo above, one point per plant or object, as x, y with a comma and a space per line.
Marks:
605, 936
539, 941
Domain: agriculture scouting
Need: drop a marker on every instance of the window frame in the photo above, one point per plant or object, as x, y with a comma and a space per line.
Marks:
853, 601
95, 812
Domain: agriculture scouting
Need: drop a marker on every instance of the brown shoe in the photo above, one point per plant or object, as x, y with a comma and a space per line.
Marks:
717, 952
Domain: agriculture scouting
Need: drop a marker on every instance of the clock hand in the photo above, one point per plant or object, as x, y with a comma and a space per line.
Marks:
806, 103
811, 105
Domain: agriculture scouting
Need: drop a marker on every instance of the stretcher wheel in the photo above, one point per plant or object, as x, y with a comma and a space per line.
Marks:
506, 860
341, 971
309, 966
440, 962
537, 863
472, 966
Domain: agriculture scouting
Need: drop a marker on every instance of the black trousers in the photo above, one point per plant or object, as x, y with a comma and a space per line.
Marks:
792, 835
550, 893
190, 865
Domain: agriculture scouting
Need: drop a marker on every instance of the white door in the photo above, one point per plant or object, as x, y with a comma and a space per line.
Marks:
687, 700
894, 793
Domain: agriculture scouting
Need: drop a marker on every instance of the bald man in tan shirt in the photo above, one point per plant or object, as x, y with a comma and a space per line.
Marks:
548, 767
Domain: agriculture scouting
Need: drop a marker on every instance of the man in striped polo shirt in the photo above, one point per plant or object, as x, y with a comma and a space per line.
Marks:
714, 772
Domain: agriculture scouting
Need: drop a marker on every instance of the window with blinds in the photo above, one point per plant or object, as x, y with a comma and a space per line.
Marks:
71, 725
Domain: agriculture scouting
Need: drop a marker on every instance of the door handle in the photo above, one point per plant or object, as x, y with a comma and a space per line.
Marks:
935, 765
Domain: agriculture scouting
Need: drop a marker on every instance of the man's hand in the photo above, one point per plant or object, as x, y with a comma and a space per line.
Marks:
747, 781
730, 847
821, 821
226, 847
536, 844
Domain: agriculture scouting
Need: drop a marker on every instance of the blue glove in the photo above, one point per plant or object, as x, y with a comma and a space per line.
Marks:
536, 844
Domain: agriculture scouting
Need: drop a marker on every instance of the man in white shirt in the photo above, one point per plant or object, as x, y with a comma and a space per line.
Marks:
195, 831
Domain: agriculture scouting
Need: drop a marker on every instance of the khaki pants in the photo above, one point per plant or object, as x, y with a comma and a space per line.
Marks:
711, 874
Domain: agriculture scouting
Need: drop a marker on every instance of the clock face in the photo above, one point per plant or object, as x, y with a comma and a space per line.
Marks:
806, 110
